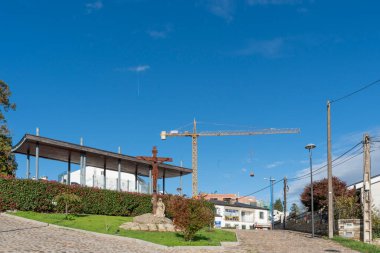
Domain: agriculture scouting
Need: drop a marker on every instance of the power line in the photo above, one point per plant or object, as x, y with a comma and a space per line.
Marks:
305, 175
262, 189
357, 91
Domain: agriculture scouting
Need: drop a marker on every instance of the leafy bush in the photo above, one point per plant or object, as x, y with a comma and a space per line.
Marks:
67, 202
38, 196
375, 223
190, 215
347, 207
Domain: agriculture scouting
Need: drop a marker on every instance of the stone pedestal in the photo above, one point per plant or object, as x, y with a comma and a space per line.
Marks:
149, 222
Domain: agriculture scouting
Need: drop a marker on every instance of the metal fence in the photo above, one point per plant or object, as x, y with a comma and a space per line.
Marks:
302, 223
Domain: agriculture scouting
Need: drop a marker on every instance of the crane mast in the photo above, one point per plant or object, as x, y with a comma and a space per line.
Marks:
194, 140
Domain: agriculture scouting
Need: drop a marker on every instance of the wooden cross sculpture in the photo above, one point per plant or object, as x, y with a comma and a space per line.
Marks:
155, 162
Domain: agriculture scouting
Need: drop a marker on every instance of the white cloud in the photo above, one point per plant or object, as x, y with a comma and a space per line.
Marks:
243, 170
274, 164
94, 6
267, 48
139, 68
273, 2
222, 8
157, 34
160, 33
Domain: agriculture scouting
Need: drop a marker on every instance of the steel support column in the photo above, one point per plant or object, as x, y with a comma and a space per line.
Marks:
37, 159
28, 164
180, 184
84, 169
68, 180
81, 170
150, 181
136, 170
105, 174
163, 182
119, 175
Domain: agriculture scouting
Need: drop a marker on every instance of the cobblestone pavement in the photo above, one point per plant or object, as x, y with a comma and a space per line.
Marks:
279, 241
18, 235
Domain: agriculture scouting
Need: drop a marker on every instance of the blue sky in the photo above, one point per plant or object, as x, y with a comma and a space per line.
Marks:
118, 72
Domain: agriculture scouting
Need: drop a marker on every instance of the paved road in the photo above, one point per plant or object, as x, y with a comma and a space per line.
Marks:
18, 235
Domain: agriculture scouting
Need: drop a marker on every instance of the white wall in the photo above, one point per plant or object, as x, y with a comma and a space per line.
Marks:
95, 178
375, 190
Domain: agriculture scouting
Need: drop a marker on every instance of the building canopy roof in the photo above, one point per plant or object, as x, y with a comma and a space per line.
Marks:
61, 151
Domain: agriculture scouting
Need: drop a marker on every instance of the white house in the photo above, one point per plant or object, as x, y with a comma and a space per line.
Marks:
240, 216
279, 216
95, 178
375, 189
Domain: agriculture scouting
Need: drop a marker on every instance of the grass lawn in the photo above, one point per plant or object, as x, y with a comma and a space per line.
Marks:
356, 245
110, 225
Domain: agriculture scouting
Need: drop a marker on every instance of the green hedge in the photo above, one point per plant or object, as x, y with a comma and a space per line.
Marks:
37, 196
31, 195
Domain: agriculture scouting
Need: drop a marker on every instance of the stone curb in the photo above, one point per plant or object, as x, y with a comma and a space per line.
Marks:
132, 240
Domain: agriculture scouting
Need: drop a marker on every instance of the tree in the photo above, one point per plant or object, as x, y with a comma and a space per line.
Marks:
278, 205
294, 210
347, 207
67, 201
8, 163
320, 189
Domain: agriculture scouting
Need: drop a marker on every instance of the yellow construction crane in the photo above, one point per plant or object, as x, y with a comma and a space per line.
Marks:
194, 136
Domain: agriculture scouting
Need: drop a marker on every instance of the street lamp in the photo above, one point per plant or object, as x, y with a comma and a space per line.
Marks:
310, 147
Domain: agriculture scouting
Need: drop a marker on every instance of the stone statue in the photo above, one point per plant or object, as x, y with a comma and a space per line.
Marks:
160, 211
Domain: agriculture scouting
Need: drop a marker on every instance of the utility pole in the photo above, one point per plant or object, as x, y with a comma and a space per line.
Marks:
366, 191
329, 175
271, 180
285, 191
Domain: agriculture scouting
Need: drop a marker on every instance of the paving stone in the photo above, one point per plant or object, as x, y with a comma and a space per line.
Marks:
27, 236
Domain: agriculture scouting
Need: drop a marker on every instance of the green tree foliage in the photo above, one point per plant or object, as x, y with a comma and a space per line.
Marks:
347, 207
375, 223
68, 202
8, 163
294, 210
190, 215
320, 193
278, 205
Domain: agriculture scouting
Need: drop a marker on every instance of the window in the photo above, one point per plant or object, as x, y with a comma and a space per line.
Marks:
213, 198
231, 215
261, 215
243, 227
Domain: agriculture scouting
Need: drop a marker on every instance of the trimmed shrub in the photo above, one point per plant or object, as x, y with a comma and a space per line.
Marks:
190, 215
38, 196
